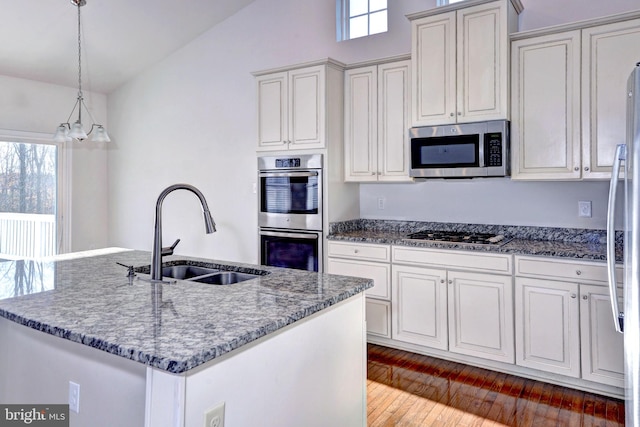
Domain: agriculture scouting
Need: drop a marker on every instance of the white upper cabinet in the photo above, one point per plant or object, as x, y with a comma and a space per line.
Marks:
568, 91
292, 106
545, 90
376, 122
460, 63
609, 54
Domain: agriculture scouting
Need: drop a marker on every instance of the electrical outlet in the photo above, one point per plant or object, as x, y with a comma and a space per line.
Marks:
214, 417
74, 397
584, 209
381, 201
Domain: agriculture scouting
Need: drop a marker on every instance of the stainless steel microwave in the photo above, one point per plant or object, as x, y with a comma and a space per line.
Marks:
460, 151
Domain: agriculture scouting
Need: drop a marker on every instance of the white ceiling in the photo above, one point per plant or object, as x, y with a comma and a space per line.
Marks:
120, 38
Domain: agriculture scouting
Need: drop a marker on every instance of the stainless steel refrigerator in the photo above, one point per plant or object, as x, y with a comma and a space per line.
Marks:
626, 316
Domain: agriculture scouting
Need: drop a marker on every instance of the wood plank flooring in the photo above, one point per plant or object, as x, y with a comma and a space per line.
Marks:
408, 389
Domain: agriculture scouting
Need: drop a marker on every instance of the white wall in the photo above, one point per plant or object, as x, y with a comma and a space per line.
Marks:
31, 106
192, 118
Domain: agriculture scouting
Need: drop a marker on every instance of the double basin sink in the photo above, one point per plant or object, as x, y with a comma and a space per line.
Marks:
205, 274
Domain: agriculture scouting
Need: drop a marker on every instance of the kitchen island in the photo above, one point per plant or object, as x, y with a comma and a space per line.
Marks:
285, 348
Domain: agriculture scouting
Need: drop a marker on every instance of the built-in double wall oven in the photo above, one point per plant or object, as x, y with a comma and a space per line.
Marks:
290, 211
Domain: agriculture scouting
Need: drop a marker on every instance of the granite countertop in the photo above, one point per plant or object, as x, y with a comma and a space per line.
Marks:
520, 240
173, 327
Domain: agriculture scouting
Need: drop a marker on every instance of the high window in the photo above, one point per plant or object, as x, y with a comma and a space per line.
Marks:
446, 2
359, 18
32, 180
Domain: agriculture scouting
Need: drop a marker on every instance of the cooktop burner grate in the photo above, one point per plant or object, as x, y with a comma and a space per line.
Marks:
458, 237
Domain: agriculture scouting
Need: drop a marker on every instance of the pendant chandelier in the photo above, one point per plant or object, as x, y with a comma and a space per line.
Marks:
67, 132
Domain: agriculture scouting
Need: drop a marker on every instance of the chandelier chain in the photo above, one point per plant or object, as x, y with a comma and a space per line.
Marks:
79, 57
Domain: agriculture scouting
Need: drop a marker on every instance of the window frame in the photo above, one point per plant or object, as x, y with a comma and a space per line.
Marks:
343, 20
63, 180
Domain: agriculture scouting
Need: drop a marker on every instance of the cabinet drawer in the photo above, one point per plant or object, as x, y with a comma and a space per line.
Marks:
378, 318
378, 272
477, 261
363, 251
582, 271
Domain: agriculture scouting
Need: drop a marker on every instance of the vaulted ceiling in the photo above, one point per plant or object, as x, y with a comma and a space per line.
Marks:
120, 38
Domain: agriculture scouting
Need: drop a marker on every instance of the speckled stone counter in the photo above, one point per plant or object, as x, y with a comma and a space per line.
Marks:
520, 240
173, 327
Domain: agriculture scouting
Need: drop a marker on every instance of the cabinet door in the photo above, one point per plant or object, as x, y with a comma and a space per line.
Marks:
433, 55
602, 348
547, 326
545, 113
378, 318
360, 124
609, 54
481, 315
272, 111
378, 272
393, 121
307, 107
419, 306
482, 55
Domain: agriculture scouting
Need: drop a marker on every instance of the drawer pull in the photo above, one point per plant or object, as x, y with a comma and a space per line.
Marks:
441, 280
584, 297
573, 295
578, 272
355, 251
450, 281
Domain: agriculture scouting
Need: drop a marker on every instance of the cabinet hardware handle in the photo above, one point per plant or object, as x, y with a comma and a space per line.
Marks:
355, 251
576, 169
573, 295
578, 272
586, 168
441, 280
459, 113
450, 114
584, 297
450, 281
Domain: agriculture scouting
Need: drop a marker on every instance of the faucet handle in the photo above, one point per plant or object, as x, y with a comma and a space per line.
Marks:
169, 250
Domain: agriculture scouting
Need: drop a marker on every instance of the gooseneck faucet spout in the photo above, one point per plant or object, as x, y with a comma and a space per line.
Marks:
158, 250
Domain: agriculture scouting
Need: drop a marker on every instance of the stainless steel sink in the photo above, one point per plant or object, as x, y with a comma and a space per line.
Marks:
212, 274
225, 278
182, 272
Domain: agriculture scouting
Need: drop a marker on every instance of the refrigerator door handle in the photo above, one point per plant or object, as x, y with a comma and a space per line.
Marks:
618, 316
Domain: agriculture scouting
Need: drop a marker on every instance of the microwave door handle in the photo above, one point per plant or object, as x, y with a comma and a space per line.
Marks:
293, 235
288, 174
618, 316
481, 162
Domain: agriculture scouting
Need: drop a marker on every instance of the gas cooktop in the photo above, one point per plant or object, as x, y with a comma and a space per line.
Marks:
458, 237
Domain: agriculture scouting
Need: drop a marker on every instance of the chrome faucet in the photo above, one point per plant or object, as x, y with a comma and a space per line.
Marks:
158, 250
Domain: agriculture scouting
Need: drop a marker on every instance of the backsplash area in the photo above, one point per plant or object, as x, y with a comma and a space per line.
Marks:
488, 201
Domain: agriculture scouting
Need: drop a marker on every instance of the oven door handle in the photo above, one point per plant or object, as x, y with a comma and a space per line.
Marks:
309, 236
292, 174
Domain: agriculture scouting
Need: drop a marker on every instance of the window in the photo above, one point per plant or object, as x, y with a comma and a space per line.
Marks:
446, 2
32, 190
359, 18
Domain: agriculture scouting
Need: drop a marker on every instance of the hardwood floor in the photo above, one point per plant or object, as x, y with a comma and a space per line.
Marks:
407, 389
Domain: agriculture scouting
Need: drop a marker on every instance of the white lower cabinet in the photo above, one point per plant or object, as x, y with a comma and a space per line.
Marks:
601, 345
481, 315
465, 312
552, 321
370, 261
378, 318
420, 306
547, 326
564, 322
